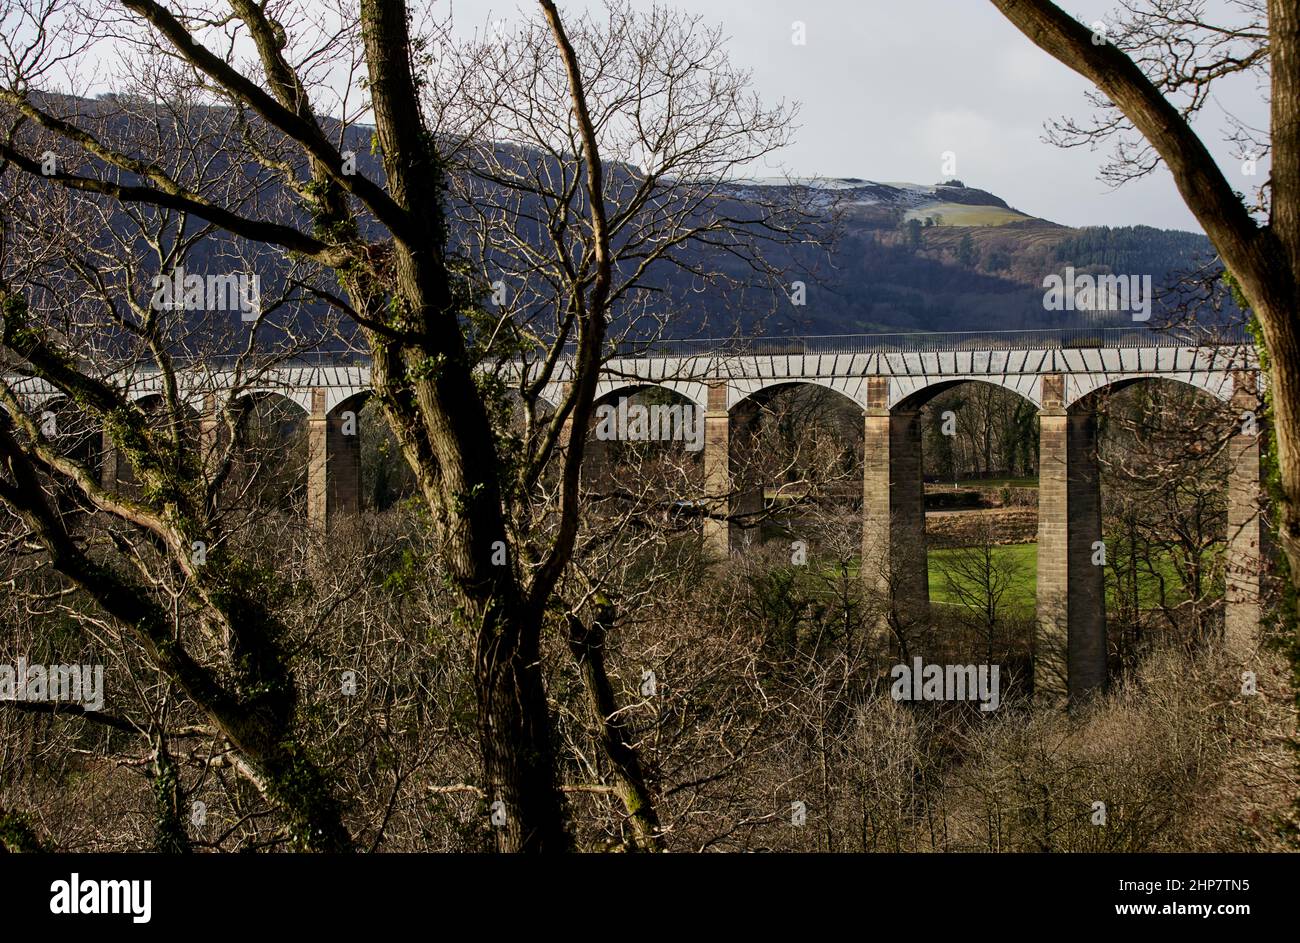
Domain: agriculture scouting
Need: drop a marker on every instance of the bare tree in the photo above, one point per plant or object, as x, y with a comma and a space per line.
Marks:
1155, 65
977, 576
417, 307
1165, 503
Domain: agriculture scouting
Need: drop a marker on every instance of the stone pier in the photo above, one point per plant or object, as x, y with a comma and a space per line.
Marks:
112, 463
717, 472
212, 436
887, 377
1247, 529
1070, 636
333, 460
894, 560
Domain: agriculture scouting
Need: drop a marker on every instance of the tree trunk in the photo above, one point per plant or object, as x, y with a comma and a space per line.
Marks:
526, 810
1264, 260
425, 381
588, 646
1276, 302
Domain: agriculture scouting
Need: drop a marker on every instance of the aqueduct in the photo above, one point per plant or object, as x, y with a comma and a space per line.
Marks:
889, 386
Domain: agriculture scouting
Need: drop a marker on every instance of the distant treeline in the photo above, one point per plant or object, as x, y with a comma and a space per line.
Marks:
1135, 249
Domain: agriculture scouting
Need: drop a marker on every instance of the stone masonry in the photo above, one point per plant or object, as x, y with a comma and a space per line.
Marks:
893, 507
1070, 636
333, 461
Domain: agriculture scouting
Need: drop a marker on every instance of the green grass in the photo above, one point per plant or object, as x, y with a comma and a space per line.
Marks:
962, 214
1023, 558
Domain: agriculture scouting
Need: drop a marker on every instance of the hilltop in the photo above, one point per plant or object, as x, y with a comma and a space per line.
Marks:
953, 257
897, 257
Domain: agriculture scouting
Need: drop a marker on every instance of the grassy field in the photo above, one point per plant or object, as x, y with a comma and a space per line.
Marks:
961, 214
1022, 559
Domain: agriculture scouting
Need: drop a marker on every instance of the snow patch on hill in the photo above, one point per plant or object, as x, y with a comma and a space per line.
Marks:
959, 204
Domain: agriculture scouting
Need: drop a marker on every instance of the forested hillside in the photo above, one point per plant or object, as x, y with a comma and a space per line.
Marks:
871, 257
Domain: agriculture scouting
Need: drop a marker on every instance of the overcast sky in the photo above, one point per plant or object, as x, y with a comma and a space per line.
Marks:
886, 86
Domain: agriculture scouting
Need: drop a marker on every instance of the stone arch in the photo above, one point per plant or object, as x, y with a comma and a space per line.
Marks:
299, 397
271, 468
148, 399
904, 521
1026, 394
143, 396
334, 434
696, 393
147, 389
339, 399
746, 390
353, 401
686, 426
1082, 390
1193, 425
116, 471
1071, 657
793, 454
913, 392
73, 432
355, 461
